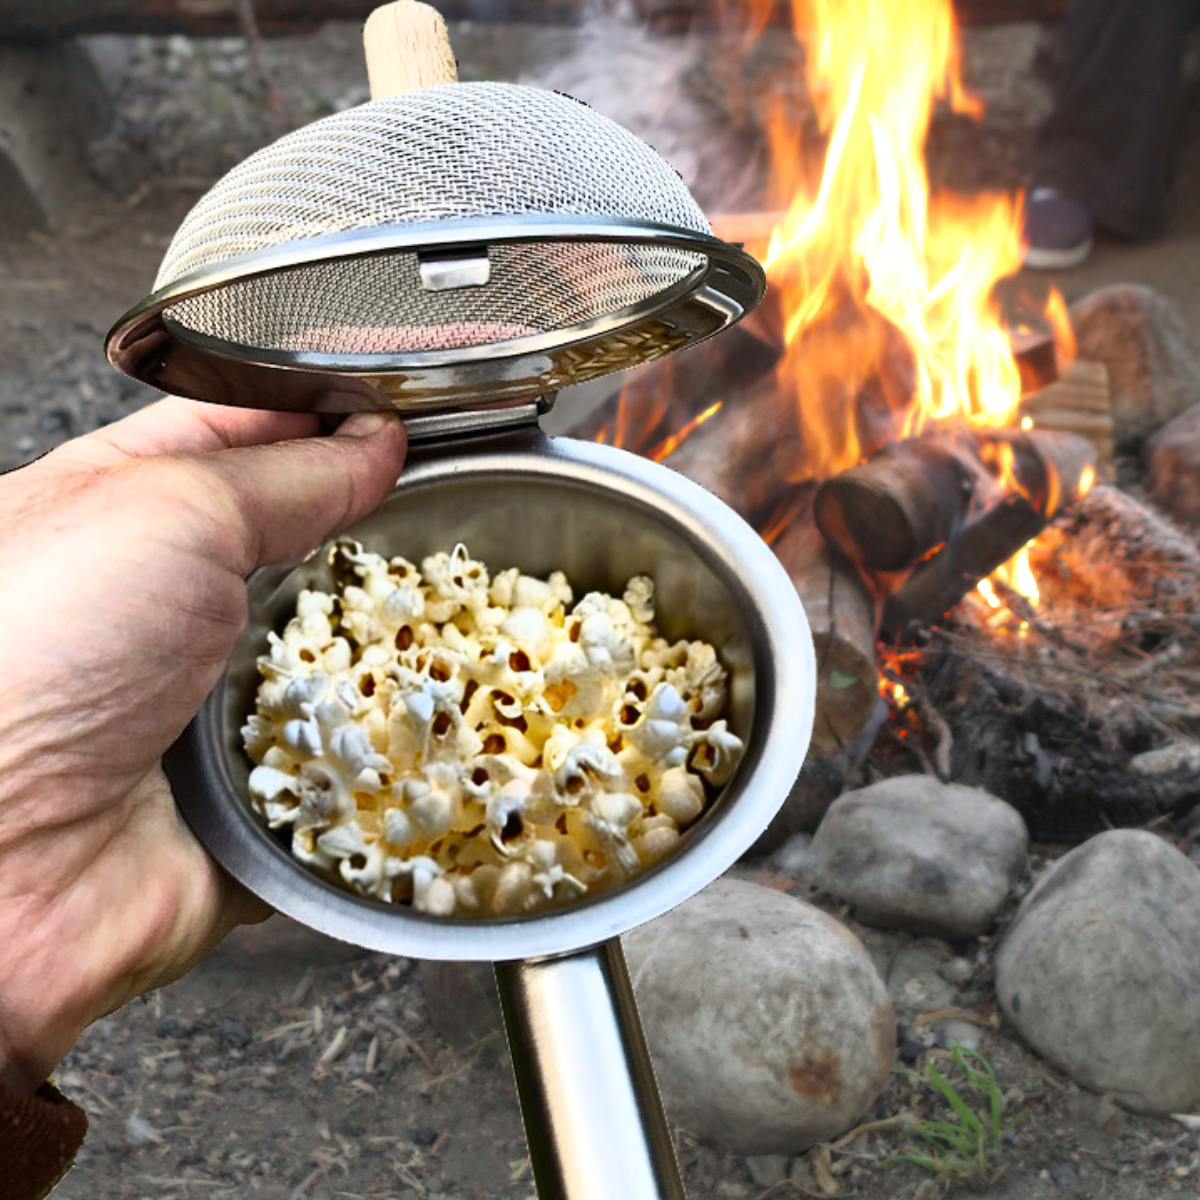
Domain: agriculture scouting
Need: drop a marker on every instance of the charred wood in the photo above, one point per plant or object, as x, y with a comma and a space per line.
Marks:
1063, 765
919, 494
1120, 561
940, 582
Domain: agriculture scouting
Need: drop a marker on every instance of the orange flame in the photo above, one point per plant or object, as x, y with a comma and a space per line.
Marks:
668, 444
869, 242
1060, 323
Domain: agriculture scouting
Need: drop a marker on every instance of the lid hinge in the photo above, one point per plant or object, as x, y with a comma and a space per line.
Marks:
475, 422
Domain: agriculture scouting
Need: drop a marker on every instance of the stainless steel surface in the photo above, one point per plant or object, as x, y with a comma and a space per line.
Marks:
448, 272
463, 152
601, 515
595, 1123
446, 426
272, 340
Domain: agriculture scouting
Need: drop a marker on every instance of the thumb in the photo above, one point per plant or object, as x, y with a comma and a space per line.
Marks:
290, 496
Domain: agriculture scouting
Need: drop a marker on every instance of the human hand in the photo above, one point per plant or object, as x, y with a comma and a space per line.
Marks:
121, 596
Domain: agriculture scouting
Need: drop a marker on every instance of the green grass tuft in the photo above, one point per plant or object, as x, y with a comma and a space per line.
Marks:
965, 1148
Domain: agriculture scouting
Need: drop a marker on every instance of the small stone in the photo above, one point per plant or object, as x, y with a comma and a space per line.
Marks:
424, 1136
961, 1033
235, 1034
1174, 756
1100, 970
913, 853
915, 981
802, 1176
25, 445
769, 1027
958, 971
766, 1170
173, 1070
1064, 1175
172, 1027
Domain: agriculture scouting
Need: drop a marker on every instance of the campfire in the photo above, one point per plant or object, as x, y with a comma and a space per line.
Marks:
986, 607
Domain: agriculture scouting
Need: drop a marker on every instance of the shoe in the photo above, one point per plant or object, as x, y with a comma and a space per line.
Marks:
1058, 231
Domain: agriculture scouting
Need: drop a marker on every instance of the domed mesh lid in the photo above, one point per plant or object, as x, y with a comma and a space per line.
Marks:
464, 151
415, 239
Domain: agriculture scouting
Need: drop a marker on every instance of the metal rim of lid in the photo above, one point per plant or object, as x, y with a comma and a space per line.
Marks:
147, 345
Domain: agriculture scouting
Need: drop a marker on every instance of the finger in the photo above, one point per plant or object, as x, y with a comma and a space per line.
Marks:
175, 426
290, 496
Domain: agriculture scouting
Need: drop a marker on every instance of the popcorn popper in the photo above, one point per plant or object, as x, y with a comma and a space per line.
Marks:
460, 252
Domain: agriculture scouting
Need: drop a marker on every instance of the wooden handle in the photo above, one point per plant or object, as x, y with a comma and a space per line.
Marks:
407, 47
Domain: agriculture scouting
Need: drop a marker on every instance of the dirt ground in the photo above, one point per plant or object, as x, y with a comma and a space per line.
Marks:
225, 1085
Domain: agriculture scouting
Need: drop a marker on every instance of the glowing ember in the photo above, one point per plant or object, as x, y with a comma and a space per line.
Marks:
887, 292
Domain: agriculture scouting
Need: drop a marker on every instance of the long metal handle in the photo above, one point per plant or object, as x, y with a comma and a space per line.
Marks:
593, 1116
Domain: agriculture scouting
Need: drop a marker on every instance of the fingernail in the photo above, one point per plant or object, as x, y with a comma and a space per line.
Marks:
365, 424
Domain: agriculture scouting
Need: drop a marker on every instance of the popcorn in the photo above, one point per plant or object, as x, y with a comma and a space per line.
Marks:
481, 745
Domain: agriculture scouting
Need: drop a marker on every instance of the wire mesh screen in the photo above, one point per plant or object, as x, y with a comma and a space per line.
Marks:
376, 304
465, 150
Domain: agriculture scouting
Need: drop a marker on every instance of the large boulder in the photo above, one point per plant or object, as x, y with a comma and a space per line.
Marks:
1152, 359
912, 853
769, 1027
1100, 970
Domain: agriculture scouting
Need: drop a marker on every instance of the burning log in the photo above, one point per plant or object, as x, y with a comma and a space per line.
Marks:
917, 495
938, 584
1077, 402
660, 399
843, 613
1122, 561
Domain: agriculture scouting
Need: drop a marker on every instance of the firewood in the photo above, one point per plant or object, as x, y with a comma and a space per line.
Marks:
1115, 555
916, 495
746, 454
655, 401
940, 582
1025, 729
1077, 402
843, 613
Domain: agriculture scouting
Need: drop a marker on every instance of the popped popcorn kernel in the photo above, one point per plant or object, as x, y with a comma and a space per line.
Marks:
475, 743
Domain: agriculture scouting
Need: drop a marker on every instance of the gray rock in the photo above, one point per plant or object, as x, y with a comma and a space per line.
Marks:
173, 1070
1100, 970
915, 980
766, 1170
1172, 459
1153, 362
1171, 757
769, 1027
913, 853
958, 971
1064, 1176
235, 1034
